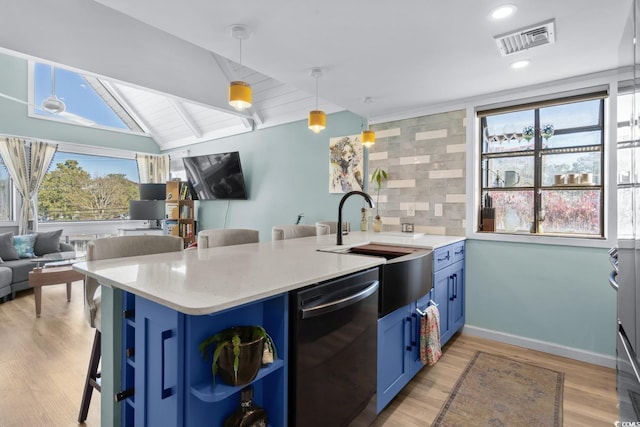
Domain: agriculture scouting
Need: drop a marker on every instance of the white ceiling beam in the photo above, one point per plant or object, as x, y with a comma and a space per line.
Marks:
185, 116
133, 112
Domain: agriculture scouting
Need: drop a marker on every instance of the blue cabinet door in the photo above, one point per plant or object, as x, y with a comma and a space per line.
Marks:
394, 354
159, 360
441, 292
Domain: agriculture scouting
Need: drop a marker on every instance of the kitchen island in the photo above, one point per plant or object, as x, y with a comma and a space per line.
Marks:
206, 289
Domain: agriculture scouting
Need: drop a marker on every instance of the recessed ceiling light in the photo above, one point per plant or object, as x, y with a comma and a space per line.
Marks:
520, 64
503, 11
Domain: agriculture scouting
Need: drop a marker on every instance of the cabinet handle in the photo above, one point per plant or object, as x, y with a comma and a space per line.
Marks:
460, 252
414, 342
446, 258
166, 391
408, 320
119, 397
455, 286
450, 290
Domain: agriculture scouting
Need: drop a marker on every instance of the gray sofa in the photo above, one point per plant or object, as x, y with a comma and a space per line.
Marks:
14, 273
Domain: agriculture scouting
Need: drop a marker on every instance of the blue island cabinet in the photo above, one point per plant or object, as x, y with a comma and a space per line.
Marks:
166, 381
399, 331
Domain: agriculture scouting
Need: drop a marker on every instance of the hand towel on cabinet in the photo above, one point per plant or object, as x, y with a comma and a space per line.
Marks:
430, 350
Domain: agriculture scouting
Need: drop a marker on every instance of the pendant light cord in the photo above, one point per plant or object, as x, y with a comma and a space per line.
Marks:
316, 93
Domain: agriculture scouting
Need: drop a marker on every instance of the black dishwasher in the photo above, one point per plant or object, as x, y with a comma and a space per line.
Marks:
333, 352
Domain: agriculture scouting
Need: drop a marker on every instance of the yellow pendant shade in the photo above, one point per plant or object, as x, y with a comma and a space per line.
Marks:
317, 120
240, 95
368, 138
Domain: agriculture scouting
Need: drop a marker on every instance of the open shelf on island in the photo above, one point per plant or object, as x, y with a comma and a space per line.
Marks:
207, 392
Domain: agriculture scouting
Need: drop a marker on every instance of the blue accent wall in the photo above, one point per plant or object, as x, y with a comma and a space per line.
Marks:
556, 294
14, 119
286, 170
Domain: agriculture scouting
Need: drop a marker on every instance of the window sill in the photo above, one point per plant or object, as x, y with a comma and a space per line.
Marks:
541, 239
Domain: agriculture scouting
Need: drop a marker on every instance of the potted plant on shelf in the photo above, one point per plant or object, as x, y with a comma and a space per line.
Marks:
378, 176
239, 353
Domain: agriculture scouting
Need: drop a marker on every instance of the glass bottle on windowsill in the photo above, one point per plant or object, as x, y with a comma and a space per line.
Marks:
248, 415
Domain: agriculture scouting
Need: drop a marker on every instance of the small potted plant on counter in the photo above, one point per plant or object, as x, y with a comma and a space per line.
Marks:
378, 176
239, 353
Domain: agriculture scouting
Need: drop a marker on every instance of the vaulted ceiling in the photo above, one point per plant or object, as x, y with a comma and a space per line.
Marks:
171, 62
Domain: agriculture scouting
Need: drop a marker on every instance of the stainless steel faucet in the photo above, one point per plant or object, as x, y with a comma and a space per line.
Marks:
344, 198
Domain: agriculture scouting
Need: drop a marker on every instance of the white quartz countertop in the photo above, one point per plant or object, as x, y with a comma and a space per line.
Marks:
204, 281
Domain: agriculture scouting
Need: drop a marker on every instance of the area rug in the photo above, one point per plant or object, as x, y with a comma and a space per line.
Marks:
498, 391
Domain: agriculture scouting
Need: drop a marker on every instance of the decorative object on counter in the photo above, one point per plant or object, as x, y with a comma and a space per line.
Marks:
346, 164
546, 131
496, 390
560, 179
378, 176
528, 133
248, 414
364, 225
488, 214
586, 178
238, 353
511, 220
511, 178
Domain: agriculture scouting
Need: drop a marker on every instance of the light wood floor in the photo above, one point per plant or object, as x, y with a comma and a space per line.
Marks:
43, 363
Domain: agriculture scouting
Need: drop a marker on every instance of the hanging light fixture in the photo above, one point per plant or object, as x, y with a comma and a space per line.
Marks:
239, 91
368, 137
317, 118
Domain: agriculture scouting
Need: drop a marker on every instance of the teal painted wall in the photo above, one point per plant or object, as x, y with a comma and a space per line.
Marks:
557, 294
286, 171
15, 121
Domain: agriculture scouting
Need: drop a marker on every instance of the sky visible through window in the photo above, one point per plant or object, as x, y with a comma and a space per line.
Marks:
79, 97
99, 165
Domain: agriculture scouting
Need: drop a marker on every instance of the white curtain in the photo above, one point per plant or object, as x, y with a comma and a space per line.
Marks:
153, 169
27, 168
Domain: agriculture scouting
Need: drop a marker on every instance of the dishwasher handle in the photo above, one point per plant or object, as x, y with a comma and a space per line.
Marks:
331, 306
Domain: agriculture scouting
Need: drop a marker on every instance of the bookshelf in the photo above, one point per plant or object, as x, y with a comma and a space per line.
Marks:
180, 216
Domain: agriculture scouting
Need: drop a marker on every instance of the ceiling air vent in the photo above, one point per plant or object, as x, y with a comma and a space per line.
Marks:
526, 38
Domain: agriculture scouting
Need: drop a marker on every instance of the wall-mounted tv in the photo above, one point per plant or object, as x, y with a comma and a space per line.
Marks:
216, 176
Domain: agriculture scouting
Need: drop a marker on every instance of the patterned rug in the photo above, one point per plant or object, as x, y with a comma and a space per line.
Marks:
498, 391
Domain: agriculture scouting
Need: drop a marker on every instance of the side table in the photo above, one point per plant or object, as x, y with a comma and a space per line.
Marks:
40, 277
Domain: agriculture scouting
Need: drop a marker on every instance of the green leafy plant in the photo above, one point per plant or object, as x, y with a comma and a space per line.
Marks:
378, 176
234, 336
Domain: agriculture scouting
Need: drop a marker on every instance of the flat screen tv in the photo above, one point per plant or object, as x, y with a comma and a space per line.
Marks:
216, 176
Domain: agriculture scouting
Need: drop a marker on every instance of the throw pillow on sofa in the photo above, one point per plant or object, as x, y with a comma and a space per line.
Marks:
24, 245
7, 250
47, 242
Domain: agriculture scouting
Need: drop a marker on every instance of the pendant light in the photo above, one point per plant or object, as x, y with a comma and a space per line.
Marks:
239, 91
317, 118
368, 137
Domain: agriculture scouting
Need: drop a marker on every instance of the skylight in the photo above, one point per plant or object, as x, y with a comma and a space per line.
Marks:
86, 100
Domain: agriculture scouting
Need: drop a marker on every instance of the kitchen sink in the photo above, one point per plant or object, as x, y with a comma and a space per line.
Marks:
404, 278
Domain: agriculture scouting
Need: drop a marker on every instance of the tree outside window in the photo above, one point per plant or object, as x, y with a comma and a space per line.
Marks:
70, 192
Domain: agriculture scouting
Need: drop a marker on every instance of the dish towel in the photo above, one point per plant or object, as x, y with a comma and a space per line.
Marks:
430, 350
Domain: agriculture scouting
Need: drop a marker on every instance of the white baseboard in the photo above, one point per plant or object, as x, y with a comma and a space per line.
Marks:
547, 347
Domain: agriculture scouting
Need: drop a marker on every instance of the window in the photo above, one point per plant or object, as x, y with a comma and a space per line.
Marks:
6, 191
87, 101
81, 187
628, 164
541, 168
